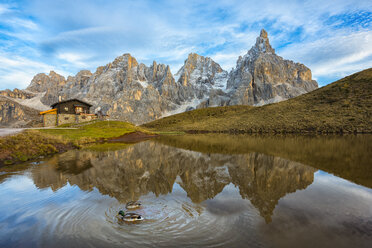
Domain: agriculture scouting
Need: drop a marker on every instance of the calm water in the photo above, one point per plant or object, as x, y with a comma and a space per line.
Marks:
199, 190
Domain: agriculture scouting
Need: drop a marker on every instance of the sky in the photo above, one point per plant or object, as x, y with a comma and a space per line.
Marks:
332, 38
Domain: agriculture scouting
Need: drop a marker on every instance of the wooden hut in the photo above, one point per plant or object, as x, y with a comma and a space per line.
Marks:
69, 111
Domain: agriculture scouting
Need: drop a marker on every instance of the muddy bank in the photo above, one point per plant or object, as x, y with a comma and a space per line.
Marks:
133, 137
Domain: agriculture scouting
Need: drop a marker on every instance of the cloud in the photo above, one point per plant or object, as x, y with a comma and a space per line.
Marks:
77, 60
340, 54
332, 38
4, 9
17, 72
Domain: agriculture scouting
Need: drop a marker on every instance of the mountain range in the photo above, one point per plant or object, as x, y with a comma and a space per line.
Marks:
130, 91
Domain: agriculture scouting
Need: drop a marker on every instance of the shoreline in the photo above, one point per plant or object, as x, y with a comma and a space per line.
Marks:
31, 144
8, 158
28, 144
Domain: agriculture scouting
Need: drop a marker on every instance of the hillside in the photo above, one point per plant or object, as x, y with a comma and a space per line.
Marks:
342, 106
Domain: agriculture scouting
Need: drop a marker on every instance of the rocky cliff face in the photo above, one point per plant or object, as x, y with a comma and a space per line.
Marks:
131, 91
262, 77
14, 114
20, 108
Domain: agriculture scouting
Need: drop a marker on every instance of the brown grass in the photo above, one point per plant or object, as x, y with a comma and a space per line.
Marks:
30, 144
341, 107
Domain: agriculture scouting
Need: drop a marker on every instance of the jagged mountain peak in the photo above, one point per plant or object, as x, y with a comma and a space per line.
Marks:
51, 73
198, 69
125, 60
193, 59
263, 33
262, 45
42, 82
131, 91
84, 73
262, 77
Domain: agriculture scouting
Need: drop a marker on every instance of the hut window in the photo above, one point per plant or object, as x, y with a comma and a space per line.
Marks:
78, 109
66, 118
84, 117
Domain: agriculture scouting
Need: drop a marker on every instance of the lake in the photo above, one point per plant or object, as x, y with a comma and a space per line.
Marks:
203, 190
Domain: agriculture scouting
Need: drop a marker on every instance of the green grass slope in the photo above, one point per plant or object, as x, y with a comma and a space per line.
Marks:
32, 144
93, 131
342, 106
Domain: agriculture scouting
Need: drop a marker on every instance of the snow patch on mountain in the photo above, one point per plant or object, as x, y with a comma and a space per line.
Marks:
34, 102
188, 105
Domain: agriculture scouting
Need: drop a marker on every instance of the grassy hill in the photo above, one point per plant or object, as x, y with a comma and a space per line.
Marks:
342, 106
32, 144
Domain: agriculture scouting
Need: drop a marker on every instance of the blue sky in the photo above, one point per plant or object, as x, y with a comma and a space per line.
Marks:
333, 38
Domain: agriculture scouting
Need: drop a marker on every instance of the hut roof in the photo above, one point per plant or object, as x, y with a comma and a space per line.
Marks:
50, 111
70, 100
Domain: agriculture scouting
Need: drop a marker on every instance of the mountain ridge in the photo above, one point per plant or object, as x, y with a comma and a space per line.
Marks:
127, 90
344, 106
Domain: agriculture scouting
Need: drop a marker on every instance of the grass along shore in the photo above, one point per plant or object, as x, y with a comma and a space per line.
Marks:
344, 106
341, 107
32, 144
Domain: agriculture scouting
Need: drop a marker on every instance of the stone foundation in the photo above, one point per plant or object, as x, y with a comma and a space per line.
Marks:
65, 119
50, 120
84, 118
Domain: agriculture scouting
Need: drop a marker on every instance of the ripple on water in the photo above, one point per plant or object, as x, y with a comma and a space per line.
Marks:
172, 219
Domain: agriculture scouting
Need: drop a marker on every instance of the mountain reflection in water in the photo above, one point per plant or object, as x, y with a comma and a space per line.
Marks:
150, 167
196, 190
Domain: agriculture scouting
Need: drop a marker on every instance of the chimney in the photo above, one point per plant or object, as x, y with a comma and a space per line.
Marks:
59, 98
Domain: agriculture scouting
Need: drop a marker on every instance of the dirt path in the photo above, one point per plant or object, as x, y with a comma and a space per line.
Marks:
9, 131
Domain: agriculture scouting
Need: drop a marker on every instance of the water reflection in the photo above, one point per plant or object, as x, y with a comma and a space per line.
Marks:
347, 156
200, 190
150, 167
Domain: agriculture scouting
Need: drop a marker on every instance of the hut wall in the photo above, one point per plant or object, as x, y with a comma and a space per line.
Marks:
84, 118
69, 107
49, 120
66, 118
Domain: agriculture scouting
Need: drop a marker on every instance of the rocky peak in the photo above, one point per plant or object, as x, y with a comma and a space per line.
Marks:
42, 82
263, 34
263, 44
206, 64
84, 73
17, 94
156, 72
134, 92
125, 61
198, 69
262, 77
80, 79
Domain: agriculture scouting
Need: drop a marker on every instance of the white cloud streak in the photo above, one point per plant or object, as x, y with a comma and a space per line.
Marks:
73, 35
17, 72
